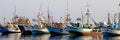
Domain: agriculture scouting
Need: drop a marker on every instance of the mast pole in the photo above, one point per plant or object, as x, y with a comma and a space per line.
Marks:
119, 14
67, 7
109, 18
88, 14
14, 14
115, 18
4, 19
67, 15
48, 13
82, 17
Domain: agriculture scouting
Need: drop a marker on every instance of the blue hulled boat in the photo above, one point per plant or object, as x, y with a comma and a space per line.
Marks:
83, 31
111, 28
9, 30
109, 31
3, 29
26, 29
38, 30
80, 28
55, 28
57, 31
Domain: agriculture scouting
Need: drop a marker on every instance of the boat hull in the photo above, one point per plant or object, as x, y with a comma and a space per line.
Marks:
57, 31
7, 30
37, 30
83, 32
109, 31
32, 30
3, 29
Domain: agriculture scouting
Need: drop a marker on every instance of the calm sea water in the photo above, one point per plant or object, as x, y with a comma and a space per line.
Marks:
19, 36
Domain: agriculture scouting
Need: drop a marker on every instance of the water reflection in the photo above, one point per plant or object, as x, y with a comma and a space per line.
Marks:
111, 37
6, 36
35, 37
59, 37
19, 36
86, 38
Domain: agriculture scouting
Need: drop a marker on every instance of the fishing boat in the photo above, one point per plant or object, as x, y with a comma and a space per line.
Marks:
5, 29
9, 28
26, 29
29, 28
111, 29
84, 29
13, 29
41, 27
57, 31
56, 28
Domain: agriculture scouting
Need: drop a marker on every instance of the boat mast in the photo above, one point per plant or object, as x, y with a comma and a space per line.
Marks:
4, 20
109, 19
119, 14
115, 18
67, 7
88, 14
48, 13
49, 17
14, 14
67, 15
39, 15
82, 17
60, 19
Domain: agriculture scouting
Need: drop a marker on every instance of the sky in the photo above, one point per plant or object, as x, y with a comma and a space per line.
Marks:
30, 8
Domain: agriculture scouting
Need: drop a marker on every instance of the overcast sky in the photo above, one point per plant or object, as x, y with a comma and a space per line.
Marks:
30, 8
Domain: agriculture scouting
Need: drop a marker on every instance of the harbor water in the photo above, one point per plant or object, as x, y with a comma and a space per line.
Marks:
19, 36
